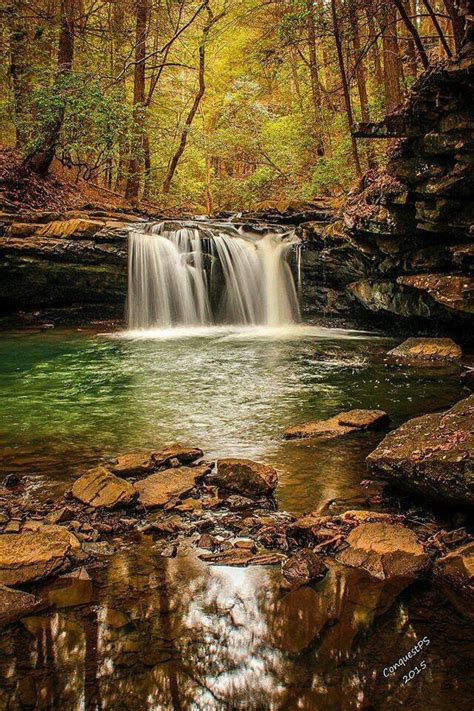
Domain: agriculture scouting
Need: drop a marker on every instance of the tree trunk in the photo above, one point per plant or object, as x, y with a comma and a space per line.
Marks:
345, 86
19, 65
391, 60
314, 77
457, 22
361, 82
40, 159
414, 33
135, 166
438, 28
197, 100
374, 44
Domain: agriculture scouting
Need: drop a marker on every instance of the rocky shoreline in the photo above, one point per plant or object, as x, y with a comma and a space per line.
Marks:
226, 512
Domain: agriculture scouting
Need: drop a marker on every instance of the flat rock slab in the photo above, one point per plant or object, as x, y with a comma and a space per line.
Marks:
144, 462
384, 550
431, 455
244, 476
426, 349
102, 489
15, 604
35, 555
342, 424
157, 489
241, 557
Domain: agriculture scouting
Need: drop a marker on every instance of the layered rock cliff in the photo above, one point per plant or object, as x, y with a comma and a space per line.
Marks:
405, 244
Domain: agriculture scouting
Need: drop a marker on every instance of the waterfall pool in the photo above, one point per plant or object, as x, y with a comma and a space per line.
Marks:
148, 632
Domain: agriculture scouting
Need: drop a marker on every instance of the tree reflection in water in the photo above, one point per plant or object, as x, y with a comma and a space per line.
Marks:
174, 634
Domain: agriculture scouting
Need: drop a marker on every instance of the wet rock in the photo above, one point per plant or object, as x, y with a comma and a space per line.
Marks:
62, 515
11, 480
158, 489
208, 542
33, 525
239, 503
457, 569
302, 568
169, 551
426, 349
241, 557
12, 527
15, 604
103, 548
134, 464
25, 557
342, 424
4, 518
384, 550
431, 455
101, 489
184, 455
244, 477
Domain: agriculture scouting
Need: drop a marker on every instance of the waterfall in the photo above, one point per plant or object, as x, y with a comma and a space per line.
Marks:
203, 273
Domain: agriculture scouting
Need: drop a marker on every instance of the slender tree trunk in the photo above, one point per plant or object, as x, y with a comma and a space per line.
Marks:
117, 61
361, 82
412, 62
391, 60
457, 22
147, 166
197, 100
40, 159
438, 28
135, 166
374, 44
345, 86
314, 76
414, 33
19, 68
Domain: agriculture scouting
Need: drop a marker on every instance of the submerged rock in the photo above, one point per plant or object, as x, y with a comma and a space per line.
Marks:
342, 424
100, 488
238, 556
431, 455
25, 557
244, 476
158, 489
426, 349
302, 568
15, 604
384, 550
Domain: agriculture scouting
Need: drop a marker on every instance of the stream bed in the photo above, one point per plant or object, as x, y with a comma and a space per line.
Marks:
148, 632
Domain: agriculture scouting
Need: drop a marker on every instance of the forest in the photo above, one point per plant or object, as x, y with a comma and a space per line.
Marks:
213, 105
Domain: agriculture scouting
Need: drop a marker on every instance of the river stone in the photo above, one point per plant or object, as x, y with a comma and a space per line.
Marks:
339, 425
302, 568
431, 455
184, 455
384, 550
457, 568
35, 555
426, 349
100, 488
134, 464
157, 489
244, 476
15, 604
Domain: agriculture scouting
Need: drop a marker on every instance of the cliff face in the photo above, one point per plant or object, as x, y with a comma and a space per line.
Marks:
405, 244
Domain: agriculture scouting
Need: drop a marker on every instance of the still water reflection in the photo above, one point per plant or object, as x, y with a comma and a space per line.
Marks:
176, 634
147, 632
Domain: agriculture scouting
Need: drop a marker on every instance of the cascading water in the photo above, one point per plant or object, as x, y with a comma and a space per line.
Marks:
205, 273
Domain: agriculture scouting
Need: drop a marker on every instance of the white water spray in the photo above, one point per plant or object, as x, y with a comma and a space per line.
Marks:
206, 273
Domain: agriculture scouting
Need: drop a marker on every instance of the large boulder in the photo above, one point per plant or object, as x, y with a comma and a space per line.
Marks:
431, 455
157, 489
35, 555
100, 488
244, 476
384, 550
426, 349
342, 424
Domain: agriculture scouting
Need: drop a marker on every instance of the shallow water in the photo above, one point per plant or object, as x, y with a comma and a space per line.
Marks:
153, 633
